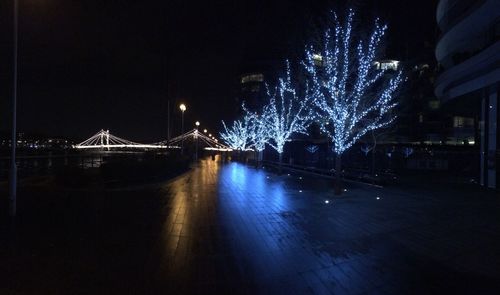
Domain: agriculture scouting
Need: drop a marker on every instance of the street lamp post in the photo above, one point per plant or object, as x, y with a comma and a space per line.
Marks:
13, 143
183, 109
196, 142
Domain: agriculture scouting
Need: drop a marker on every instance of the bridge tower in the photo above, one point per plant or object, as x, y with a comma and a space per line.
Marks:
107, 138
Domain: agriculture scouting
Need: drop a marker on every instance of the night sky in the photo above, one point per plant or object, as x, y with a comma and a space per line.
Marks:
92, 64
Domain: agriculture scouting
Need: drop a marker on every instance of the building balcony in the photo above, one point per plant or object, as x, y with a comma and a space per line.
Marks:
478, 71
471, 31
450, 12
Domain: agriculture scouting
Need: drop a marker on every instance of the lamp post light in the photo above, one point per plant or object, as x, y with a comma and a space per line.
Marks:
183, 108
13, 143
204, 130
196, 141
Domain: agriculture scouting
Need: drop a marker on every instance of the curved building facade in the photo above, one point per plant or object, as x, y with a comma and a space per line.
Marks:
468, 52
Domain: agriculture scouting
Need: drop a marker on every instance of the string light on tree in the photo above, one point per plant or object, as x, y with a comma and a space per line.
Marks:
287, 113
258, 131
353, 96
237, 136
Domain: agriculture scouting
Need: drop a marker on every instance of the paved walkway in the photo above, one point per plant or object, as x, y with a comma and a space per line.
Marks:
232, 229
237, 229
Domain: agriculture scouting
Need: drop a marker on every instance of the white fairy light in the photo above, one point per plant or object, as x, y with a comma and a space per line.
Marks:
238, 135
351, 94
258, 133
287, 113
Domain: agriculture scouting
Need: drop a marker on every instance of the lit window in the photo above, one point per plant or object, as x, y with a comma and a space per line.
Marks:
434, 104
461, 122
252, 78
458, 122
255, 88
386, 65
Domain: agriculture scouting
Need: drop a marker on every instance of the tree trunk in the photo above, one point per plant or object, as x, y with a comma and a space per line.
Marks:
374, 153
338, 174
259, 158
280, 169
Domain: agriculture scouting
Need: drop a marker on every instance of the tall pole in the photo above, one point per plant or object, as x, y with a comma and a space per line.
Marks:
196, 141
182, 107
168, 122
196, 155
182, 132
13, 167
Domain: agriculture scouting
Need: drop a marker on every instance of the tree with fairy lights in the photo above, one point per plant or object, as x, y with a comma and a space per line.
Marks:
286, 114
258, 133
238, 135
351, 94
230, 135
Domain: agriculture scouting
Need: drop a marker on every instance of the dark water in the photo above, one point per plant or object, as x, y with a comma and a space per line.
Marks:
49, 162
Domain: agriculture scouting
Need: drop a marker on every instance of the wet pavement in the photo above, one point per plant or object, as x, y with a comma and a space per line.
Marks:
232, 229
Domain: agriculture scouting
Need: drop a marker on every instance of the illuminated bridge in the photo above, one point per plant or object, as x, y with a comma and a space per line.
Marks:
104, 140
